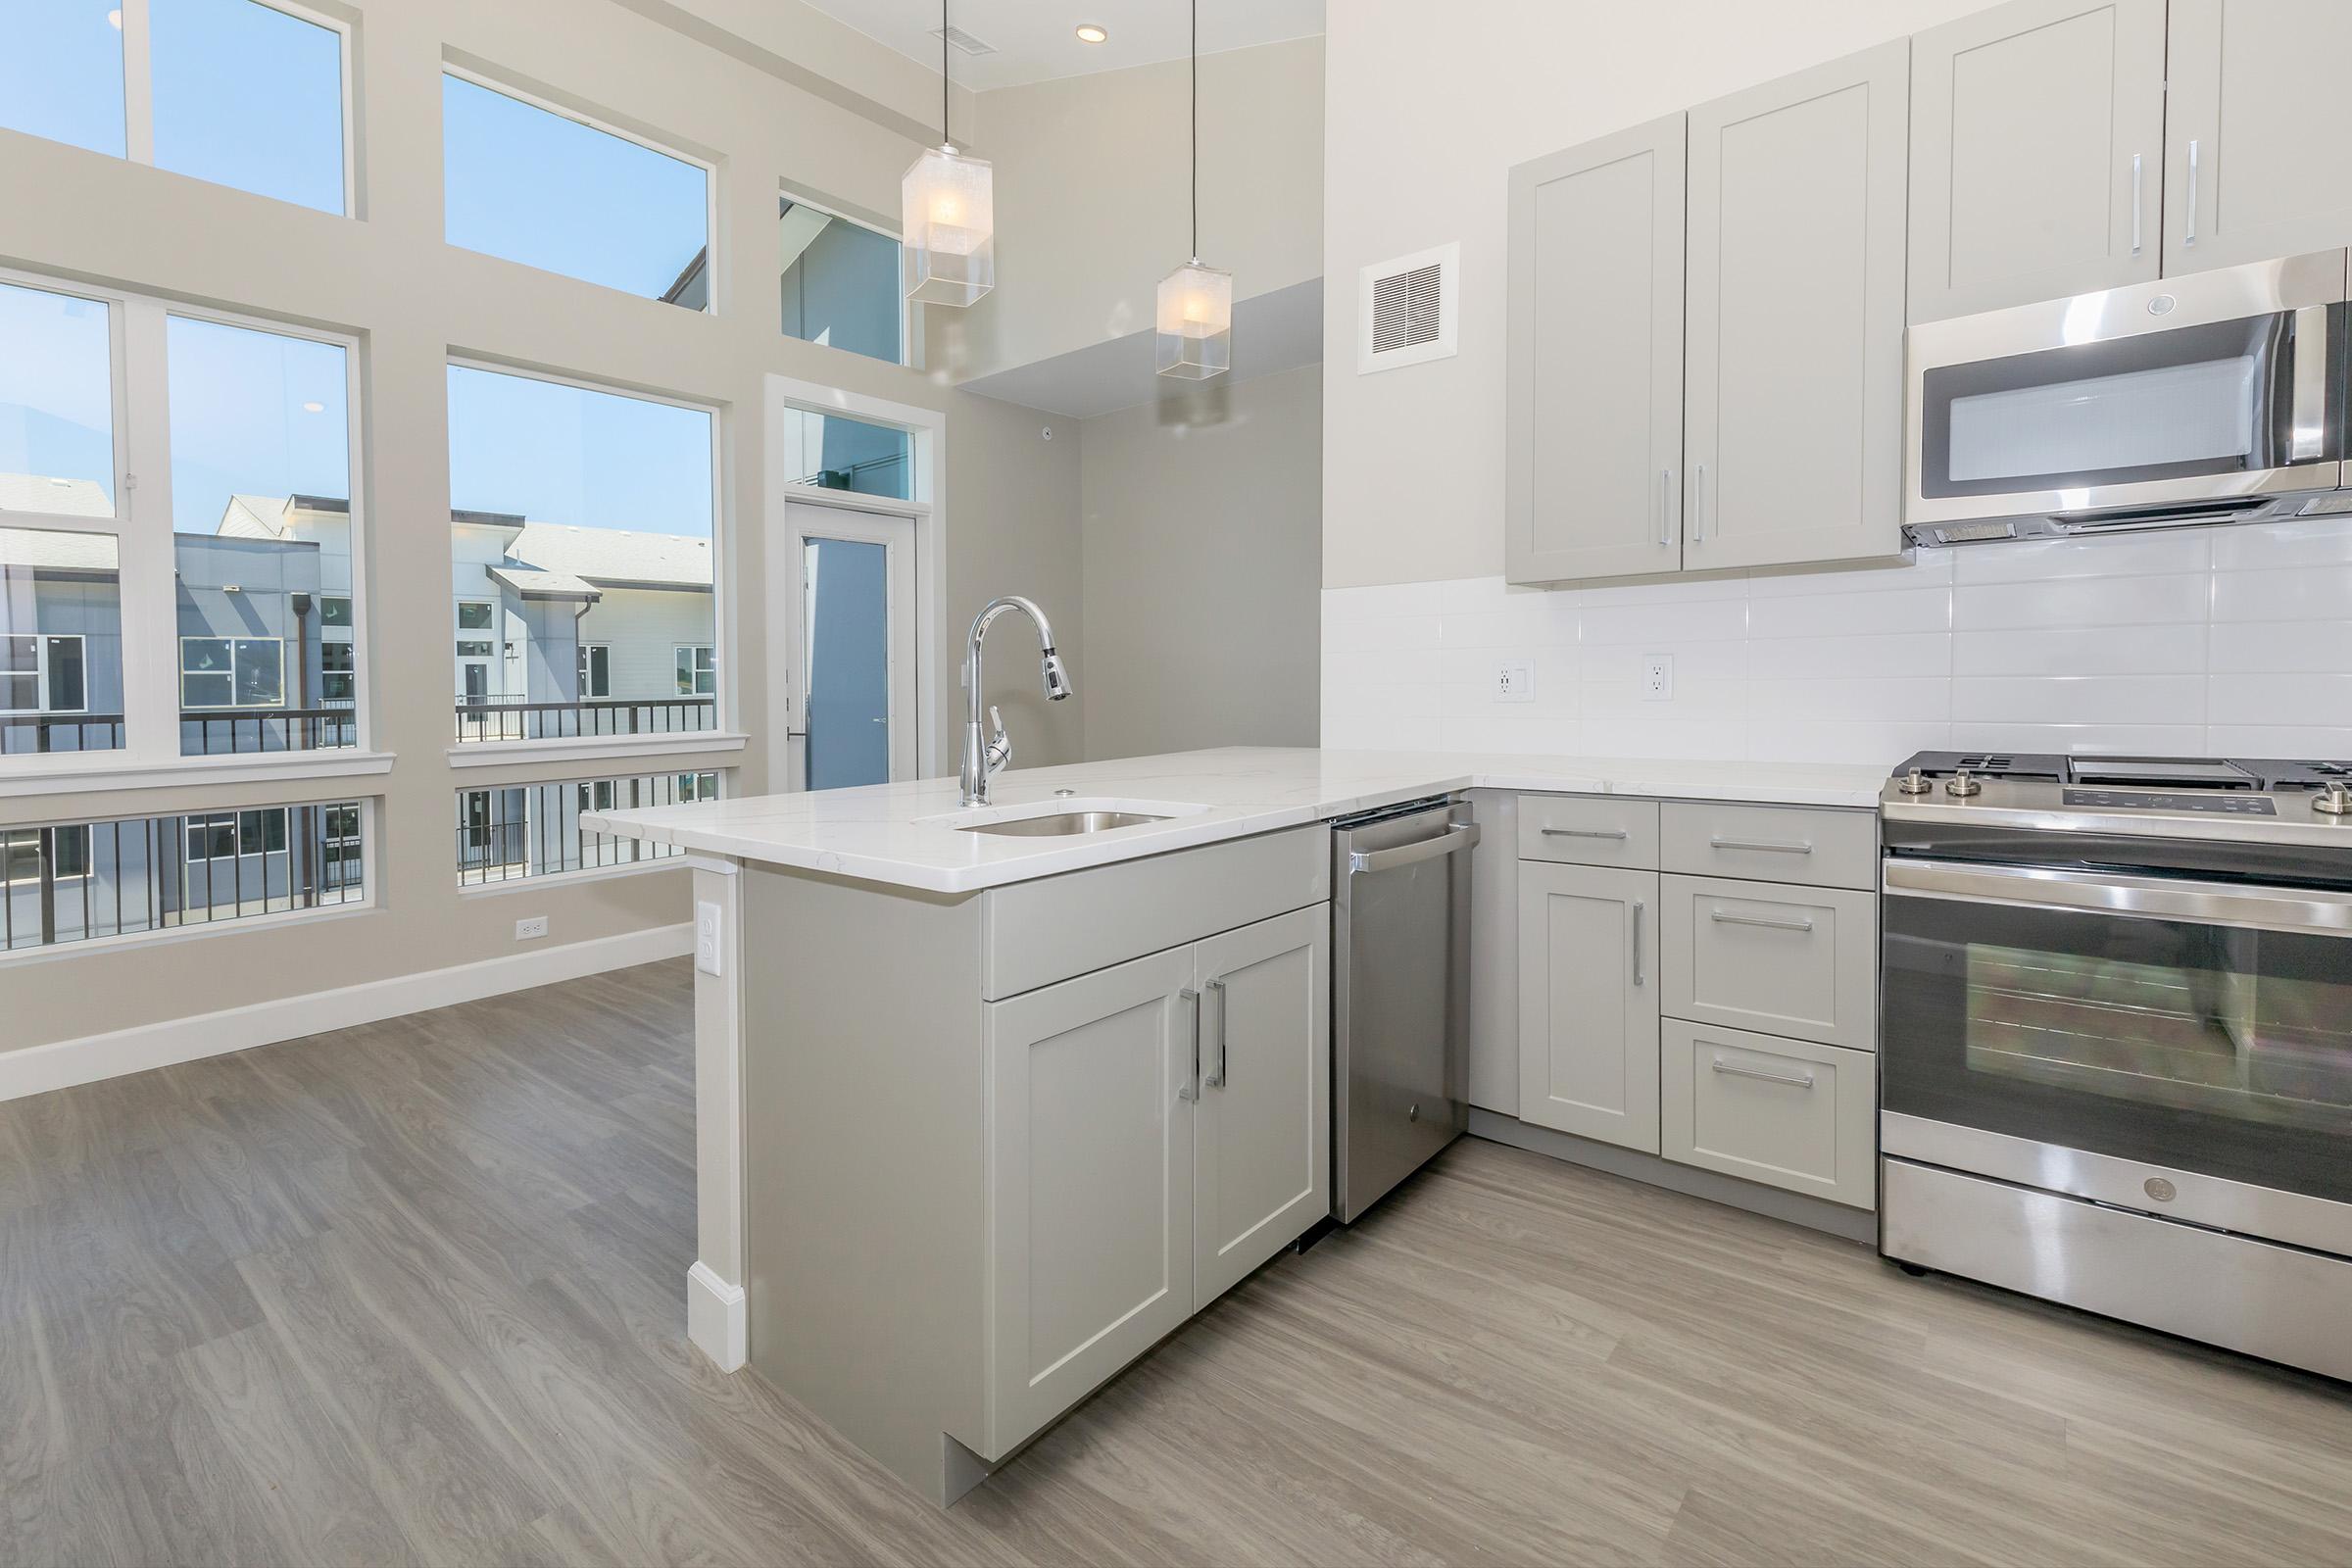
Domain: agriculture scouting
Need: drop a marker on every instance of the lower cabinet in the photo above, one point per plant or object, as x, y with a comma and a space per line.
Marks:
1786, 1112
1154, 1131
1589, 1001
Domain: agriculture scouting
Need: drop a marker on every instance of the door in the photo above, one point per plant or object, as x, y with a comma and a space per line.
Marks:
1589, 1001
1595, 407
2038, 135
848, 685
1262, 1149
1793, 427
2254, 159
1090, 1183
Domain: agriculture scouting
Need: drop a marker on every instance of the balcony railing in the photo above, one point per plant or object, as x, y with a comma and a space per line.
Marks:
619, 715
534, 830
203, 732
31, 733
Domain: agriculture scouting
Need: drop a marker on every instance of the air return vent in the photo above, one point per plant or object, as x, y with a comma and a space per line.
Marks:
1406, 314
963, 41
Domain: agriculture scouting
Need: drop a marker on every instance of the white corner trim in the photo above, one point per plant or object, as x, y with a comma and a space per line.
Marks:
629, 749
63, 1063
717, 1318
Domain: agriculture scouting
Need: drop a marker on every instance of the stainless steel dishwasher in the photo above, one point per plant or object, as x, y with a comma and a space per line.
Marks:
1399, 994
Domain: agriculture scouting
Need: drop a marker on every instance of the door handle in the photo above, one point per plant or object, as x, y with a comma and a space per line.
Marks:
1461, 837
1699, 503
1794, 1080
2190, 235
1773, 846
2136, 204
1725, 917
1219, 1078
1190, 1089
1665, 508
1584, 833
1639, 907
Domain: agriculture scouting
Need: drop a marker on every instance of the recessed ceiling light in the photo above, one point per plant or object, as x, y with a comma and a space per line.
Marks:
314, 407
1093, 33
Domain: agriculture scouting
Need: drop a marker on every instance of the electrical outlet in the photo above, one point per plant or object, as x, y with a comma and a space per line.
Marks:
530, 930
706, 938
1657, 677
1515, 681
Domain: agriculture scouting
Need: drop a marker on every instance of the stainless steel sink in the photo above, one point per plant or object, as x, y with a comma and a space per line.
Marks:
1056, 824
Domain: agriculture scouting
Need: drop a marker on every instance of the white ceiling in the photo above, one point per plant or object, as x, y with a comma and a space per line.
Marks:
1037, 40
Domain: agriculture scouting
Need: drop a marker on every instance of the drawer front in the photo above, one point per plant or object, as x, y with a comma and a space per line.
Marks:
1782, 1112
1771, 844
1589, 830
1784, 961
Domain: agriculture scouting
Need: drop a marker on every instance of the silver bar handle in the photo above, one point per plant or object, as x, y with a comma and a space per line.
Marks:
2307, 437
1461, 837
1190, 1089
2113, 892
1665, 508
1769, 845
1698, 504
1794, 1080
2190, 236
1218, 1079
1725, 917
2136, 203
1638, 908
1584, 833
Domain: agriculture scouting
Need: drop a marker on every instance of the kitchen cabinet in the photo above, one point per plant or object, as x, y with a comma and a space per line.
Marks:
2254, 166
1788, 1114
2038, 146
1798, 962
1589, 1001
1595, 404
1792, 413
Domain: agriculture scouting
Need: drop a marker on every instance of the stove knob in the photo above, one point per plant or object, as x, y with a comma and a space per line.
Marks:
2335, 800
1916, 784
1963, 784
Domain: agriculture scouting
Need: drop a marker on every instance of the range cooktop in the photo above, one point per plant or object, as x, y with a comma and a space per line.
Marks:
2232, 794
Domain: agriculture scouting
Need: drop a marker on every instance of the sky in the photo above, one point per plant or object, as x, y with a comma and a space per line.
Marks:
523, 183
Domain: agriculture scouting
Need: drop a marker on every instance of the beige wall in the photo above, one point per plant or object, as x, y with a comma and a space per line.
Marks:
1000, 459
1091, 206
1423, 121
1202, 551
413, 301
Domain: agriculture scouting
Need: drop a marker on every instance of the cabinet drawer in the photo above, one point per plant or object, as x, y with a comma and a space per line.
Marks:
1589, 830
1782, 1112
1825, 849
1797, 962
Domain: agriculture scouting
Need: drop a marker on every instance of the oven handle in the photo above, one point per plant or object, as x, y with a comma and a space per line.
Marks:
2147, 896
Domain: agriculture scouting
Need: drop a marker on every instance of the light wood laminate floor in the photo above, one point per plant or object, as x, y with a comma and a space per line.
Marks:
412, 1292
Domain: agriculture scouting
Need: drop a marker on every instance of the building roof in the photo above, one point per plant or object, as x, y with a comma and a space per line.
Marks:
52, 550
38, 492
615, 558
533, 584
254, 517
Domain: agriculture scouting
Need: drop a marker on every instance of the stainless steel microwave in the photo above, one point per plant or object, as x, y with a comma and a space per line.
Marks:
2218, 397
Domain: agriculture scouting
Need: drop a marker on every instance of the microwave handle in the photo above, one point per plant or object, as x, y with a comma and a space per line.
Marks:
2223, 903
2307, 433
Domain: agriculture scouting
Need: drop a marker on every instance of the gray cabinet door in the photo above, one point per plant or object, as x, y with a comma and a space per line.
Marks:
1589, 1001
2255, 164
2037, 153
1089, 1166
1262, 1166
1594, 415
1793, 384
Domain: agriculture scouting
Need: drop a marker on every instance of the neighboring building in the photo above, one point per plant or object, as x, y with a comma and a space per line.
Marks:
61, 619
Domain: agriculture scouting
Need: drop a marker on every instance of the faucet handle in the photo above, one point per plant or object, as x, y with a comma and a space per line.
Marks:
1000, 745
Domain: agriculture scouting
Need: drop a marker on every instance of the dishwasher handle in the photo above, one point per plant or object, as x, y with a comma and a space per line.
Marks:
1460, 837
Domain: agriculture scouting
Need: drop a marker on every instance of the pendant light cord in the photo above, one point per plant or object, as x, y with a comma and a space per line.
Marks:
945, 140
1195, 132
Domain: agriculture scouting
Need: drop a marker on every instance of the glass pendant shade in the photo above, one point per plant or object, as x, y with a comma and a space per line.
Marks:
1194, 340
949, 250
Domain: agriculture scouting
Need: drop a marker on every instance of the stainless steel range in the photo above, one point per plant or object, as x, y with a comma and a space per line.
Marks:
2116, 1066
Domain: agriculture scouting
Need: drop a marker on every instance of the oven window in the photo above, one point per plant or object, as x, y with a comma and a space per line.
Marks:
2203, 1048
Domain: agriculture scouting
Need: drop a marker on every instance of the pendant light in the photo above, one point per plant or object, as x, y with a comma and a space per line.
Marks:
947, 253
1194, 340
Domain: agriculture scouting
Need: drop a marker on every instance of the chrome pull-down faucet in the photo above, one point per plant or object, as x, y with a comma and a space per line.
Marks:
981, 758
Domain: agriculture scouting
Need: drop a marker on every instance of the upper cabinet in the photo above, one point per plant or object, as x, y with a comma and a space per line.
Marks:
1794, 379
2038, 137
1595, 436
2254, 163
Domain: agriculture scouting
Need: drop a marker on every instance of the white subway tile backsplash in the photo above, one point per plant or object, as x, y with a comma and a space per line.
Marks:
2081, 650
2081, 602
1701, 620
1889, 654
2080, 699
2283, 646
1893, 610
2311, 593
2302, 542
2121, 556
2084, 740
2282, 699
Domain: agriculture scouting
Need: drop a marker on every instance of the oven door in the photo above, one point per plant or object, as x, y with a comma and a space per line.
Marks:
2177, 1046
2226, 384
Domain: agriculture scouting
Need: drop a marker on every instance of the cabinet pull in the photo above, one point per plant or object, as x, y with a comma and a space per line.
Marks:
1794, 1080
1727, 917
1639, 907
1584, 832
1220, 1078
2190, 236
1698, 504
1770, 846
1190, 1089
2136, 204
1665, 508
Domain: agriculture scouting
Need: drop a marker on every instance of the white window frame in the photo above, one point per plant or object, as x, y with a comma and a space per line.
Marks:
694, 668
147, 566
910, 312
587, 669
138, 93
325, 674
726, 733
595, 120
234, 644
40, 641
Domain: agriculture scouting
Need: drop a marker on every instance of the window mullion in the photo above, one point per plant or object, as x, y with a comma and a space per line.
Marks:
138, 82
149, 566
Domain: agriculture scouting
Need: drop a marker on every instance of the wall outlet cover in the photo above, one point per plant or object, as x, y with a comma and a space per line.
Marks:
1657, 677
706, 937
1515, 681
530, 930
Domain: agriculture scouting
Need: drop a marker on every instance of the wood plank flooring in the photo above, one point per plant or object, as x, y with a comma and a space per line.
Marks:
412, 1293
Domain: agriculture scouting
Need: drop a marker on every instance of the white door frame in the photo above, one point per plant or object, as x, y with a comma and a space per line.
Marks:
788, 675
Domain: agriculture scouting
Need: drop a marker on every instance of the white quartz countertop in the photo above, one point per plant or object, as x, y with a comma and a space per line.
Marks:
906, 835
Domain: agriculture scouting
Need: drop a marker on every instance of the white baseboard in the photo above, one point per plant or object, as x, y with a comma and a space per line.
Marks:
717, 1318
37, 1069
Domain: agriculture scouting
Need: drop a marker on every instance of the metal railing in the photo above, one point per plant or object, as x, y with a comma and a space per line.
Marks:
597, 717
203, 732
27, 734
530, 830
79, 882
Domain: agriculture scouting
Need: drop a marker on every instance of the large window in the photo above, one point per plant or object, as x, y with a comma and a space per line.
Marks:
235, 91
531, 830
580, 539
841, 284
549, 192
